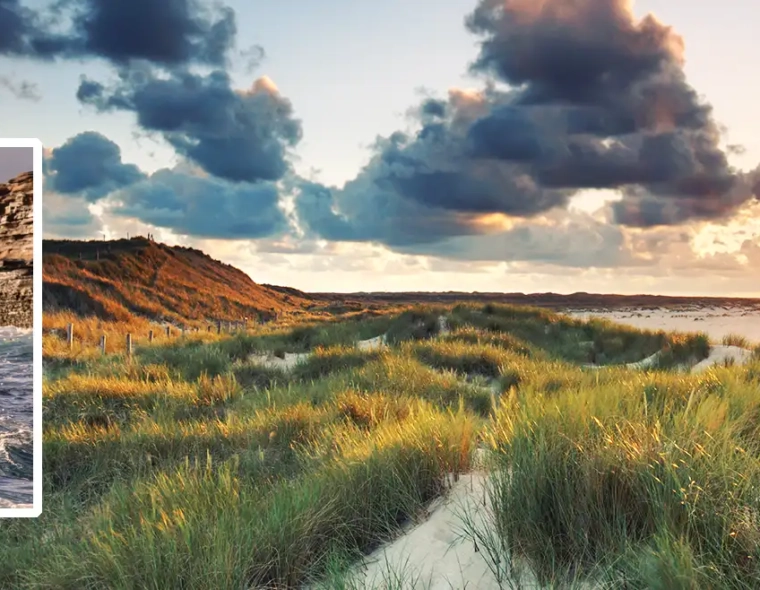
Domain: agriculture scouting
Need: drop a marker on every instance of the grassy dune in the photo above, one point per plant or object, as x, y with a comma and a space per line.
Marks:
190, 465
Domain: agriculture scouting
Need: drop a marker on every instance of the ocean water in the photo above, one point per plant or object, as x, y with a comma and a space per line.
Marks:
16, 411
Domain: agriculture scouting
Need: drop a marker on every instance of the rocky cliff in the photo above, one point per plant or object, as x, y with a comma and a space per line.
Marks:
16, 251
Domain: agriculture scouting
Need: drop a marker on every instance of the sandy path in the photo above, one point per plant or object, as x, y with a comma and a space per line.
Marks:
291, 359
443, 326
287, 363
372, 344
434, 555
722, 355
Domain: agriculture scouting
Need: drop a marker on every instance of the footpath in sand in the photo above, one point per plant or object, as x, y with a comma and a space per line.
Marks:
290, 359
434, 555
437, 553
720, 355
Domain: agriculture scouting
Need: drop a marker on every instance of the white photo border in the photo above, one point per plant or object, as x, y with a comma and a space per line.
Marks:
36, 508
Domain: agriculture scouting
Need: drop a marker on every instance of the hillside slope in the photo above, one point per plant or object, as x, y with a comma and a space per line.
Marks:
120, 279
16, 251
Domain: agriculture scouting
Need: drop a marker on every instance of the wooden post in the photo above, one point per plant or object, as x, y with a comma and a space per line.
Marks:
70, 336
183, 331
168, 331
103, 344
218, 327
150, 336
129, 344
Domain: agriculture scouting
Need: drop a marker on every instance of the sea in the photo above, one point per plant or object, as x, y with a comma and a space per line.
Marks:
16, 413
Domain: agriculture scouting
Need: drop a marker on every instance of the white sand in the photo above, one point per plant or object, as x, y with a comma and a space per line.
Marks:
720, 356
650, 361
716, 322
723, 355
443, 325
291, 359
434, 555
372, 343
274, 362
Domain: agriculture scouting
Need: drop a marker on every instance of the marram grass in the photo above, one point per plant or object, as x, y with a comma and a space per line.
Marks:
192, 465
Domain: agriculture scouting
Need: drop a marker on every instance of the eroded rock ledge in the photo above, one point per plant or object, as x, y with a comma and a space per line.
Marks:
16, 251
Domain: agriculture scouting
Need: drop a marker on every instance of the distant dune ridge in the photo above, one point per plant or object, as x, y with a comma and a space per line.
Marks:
16, 251
121, 279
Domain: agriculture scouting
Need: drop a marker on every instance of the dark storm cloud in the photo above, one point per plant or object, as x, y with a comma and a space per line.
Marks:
433, 108
89, 165
16, 24
598, 100
88, 168
169, 33
630, 118
235, 135
203, 207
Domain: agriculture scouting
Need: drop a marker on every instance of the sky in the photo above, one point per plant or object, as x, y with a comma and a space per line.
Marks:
14, 161
478, 145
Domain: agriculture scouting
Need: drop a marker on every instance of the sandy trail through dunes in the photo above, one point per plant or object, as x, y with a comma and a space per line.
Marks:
434, 554
291, 359
719, 356
372, 344
723, 355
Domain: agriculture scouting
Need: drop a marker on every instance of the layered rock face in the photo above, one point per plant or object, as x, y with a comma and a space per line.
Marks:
16, 251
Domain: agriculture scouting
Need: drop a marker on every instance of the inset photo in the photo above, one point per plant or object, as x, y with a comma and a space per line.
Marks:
20, 312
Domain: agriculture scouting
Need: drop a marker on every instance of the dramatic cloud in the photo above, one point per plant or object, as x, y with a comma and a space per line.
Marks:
169, 33
603, 103
204, 207
598, 100
89, 165
88, 169
235, 135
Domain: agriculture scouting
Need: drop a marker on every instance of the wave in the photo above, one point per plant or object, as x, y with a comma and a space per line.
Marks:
16, 417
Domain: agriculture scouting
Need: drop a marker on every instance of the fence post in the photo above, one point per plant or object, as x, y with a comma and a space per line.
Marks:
70, 336
218, 326
168, 331
129, 344
150, 336
103, 344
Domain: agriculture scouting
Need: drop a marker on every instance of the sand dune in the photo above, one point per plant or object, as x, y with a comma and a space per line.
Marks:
372, 343
435, 555
717, 322
723, 355
291, 359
